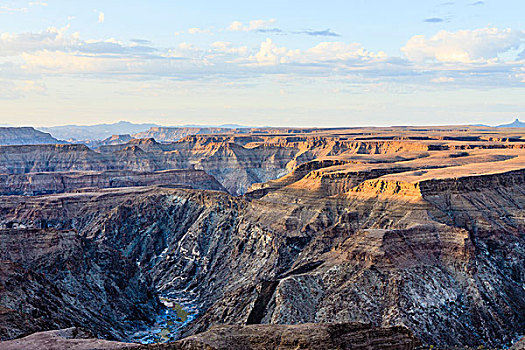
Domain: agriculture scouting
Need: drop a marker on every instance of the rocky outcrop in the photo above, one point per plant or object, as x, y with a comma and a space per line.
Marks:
427, 188
57, 182
25, 136
519, 345
239, 161
316, 336
257, 337
63, 339
50, 158
236, 161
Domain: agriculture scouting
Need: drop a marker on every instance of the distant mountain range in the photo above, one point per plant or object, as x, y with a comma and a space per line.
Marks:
123, 131
10, 136
94, 132
104, 131
515, 124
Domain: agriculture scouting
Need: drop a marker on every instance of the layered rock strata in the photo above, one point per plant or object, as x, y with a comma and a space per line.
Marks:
236, 162
58, 182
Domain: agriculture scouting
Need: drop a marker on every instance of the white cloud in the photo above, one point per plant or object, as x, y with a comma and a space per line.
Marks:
4, 9
257, 24
56, 51
443, 80
38, 3
51, 39
57, 39
227, 47
236, 26
325, 52
339, 51
269, 55
463, 46
65, 63
196, 30
101, 17
184, 50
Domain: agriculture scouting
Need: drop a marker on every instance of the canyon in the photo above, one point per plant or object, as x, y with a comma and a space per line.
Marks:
278, 236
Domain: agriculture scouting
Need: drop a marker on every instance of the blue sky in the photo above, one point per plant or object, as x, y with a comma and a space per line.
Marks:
293, 63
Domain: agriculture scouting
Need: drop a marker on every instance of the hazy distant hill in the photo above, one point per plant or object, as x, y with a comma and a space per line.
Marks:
95, 132
101, 132
172, 134
25, 136
515, 124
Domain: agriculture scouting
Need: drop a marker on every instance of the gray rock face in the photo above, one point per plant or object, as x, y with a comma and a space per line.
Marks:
25, 136
55, 279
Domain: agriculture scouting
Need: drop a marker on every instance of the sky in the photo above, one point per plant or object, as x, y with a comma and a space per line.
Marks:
262, 63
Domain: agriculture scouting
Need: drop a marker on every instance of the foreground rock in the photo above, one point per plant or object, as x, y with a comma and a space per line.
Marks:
354, 336
63, 339
305, 336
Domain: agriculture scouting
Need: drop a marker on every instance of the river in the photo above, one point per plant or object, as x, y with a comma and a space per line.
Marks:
179, 311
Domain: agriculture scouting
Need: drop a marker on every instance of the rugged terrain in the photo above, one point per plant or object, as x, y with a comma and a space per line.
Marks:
416, 227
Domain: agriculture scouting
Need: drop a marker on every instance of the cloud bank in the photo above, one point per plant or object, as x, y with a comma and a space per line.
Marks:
463, 58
